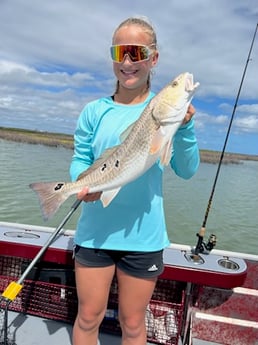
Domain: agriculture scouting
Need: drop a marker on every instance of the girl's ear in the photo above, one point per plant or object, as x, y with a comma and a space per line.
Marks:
155, 58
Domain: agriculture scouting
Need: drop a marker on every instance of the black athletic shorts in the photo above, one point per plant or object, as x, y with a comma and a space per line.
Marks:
137, 264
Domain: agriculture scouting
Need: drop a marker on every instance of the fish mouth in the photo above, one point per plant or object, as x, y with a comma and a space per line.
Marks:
190, 86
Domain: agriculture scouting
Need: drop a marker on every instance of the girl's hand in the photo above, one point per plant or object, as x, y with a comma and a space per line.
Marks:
86, 196
190, 113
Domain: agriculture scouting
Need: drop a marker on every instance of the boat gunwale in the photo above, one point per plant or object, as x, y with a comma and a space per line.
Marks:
184, 247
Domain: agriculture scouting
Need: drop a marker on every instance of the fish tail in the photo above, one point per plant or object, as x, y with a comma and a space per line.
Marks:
51, 196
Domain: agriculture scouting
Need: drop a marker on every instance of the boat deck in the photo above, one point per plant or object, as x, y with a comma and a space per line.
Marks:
33, 330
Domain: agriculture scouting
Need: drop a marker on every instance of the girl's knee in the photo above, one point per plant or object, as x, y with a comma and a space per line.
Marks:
89, 321
133, 327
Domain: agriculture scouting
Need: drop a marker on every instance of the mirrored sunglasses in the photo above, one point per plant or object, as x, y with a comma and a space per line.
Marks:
134, 51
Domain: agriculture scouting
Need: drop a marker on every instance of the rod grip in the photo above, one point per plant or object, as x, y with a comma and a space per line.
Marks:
12, 291
202, 232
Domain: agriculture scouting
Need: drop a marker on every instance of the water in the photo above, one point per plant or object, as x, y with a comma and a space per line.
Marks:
233, 216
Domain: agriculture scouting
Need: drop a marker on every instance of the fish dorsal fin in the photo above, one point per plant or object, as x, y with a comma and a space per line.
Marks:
126, 132
98, 162
148, 108
108, 195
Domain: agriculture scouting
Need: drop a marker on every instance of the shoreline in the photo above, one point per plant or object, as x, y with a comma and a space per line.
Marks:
66, 141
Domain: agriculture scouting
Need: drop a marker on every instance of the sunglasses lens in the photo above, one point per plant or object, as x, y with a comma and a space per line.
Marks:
135, 52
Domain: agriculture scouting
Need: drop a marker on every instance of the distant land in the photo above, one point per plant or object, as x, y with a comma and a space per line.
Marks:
66, 140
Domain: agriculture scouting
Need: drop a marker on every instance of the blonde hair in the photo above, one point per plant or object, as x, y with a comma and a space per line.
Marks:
147, 27
144, 23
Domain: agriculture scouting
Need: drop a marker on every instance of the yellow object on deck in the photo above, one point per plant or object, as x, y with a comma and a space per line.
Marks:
12, 291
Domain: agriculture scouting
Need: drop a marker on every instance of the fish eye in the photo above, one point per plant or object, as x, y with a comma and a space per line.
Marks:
175, 83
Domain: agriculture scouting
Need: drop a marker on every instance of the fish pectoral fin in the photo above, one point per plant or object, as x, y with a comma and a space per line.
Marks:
108, 195
166, 153
160, 142
157, 141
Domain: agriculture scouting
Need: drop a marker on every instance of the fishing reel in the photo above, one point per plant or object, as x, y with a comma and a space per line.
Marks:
203, 247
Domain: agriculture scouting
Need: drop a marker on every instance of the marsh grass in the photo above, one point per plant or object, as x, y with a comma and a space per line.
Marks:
66, 141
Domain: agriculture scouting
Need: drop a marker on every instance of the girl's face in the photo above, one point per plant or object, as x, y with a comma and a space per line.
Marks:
133, 75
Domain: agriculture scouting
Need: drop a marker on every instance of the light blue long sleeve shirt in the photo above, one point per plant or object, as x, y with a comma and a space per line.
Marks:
134, 220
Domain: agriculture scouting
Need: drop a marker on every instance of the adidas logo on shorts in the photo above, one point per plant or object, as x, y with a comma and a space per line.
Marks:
153, 268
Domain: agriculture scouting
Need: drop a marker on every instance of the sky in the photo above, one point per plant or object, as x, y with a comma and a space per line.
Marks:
54, 59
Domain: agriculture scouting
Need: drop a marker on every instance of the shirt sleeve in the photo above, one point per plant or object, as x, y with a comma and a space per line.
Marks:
83, 155
185, 156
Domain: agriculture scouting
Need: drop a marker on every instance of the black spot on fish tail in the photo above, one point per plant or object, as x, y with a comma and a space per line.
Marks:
59, 186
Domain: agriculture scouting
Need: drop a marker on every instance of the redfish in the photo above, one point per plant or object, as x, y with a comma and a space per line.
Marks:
147, 140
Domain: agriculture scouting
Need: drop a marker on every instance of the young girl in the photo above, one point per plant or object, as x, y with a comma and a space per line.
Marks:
126, 238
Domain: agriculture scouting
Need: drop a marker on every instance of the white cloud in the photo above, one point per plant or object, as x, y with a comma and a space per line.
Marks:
12, 72
248, 108
54, 55
248, 123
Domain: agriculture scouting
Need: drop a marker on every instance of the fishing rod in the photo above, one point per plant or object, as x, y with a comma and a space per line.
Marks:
201, 246
14, 288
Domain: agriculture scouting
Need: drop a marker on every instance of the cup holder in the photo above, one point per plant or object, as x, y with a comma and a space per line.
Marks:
19, 234
229, 264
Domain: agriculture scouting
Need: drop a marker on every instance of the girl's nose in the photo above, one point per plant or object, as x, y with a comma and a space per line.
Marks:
127, 59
